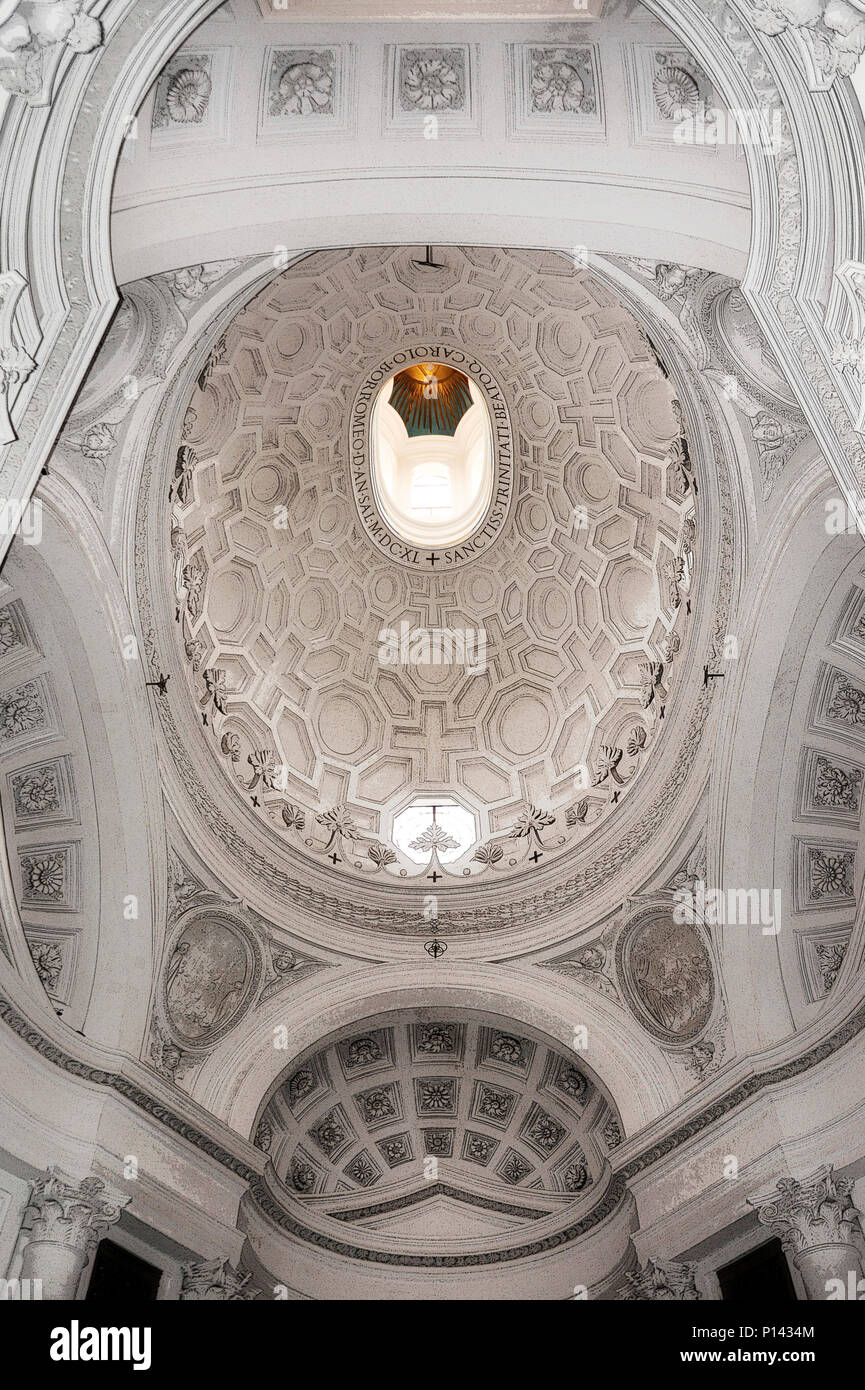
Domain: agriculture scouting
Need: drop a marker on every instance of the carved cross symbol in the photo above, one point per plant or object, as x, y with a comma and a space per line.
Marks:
536, 856
433, 742
650, 507
334, 858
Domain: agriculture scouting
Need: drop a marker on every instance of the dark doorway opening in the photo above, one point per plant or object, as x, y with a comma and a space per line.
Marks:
118, 1275
761, 1276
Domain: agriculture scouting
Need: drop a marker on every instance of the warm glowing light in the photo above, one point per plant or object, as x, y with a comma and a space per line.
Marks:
431, 454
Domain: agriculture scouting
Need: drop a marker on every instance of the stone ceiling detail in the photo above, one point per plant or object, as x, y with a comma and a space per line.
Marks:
825, 860
729, 346
553, 89
499, 1113
583, 599
250, 108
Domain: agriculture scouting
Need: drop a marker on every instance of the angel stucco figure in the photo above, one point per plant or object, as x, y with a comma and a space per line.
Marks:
29, 27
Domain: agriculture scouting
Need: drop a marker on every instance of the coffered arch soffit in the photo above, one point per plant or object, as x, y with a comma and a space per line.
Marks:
232, 86
75, 775
800, 679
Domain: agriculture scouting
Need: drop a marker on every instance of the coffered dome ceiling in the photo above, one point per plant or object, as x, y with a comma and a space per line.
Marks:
516, 1130
573, 598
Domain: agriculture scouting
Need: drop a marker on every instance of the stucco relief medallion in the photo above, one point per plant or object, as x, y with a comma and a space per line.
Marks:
666, 976
379, 530
211, 975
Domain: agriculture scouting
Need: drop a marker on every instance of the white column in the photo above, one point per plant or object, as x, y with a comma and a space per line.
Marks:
819, 1226
67, 1220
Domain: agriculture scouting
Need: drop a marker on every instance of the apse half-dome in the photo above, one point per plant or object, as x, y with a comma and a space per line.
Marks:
431, 454
426, 1124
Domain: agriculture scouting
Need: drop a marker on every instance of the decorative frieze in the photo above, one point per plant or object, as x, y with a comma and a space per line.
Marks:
214, 1280
662, 1281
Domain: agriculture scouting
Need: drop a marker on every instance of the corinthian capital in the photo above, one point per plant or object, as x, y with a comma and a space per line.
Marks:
830, 34
663, 1280
73, 1214
215, 1280
32, 34
817, 1210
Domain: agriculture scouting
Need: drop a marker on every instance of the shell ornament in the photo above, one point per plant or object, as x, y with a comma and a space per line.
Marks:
188, 96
